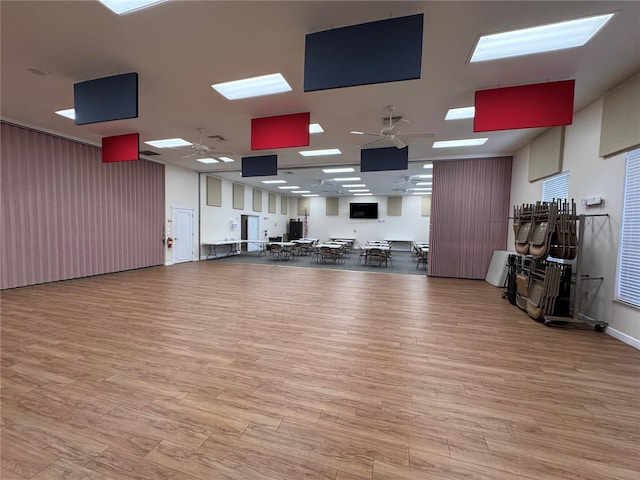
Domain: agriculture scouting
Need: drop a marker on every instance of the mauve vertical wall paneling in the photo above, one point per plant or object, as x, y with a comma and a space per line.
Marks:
65, 214
469, 216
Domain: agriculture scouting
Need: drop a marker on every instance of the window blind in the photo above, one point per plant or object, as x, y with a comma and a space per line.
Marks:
628, 281
556, 187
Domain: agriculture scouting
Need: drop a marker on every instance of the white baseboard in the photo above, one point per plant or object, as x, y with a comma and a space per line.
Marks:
169, 263
623, 337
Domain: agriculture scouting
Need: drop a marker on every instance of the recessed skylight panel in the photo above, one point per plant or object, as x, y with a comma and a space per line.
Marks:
318, 153
169, 143
467, 142
543, 38
460, 113
253, 87
121, 7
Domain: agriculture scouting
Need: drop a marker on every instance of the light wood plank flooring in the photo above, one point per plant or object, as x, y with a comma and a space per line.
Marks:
211, 370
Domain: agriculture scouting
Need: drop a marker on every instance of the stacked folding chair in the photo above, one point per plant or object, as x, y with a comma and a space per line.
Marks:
541, 230
522, 220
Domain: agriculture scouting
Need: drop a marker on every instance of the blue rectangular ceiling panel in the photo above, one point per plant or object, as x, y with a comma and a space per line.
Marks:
381, 159
260, 166
106, 99
375, 52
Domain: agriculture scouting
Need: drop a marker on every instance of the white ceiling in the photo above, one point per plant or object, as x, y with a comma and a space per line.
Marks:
180, 48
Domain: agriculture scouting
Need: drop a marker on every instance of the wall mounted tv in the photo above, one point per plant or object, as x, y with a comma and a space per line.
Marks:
106, 99
363, 210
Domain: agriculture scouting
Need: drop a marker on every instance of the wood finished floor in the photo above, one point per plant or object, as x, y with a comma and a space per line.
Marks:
211, 370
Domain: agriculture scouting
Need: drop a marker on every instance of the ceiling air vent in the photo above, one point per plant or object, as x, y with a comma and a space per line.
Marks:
386, 123
148, 153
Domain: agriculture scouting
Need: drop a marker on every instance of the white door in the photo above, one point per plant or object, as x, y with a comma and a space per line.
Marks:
253, 233
182, 229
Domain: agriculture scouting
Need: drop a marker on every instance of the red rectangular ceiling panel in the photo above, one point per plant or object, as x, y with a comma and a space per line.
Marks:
121, 148
526, 106
282, 131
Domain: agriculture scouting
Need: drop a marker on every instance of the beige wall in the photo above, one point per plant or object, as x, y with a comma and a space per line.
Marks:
590, 175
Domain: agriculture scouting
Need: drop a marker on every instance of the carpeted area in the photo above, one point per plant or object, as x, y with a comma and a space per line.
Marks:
401, 263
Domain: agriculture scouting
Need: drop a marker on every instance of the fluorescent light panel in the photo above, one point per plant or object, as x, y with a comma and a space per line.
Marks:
360, 190
289, 187
315, 128
421, 193
207, 160
226, 159
428, 166
68, 113
121, 7
543, 38
310, 195
421, 189
423, 184
338, 170
318, 153
253, 87
354, 185
347, 179
362, 194
428, 175
460, 113
301, 191
274, 181
169, 143
467, 142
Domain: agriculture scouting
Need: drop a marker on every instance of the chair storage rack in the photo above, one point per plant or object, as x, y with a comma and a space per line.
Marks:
550, 229
580, 278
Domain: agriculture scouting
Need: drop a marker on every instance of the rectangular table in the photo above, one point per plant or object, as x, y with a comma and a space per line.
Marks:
396, 241
233, 245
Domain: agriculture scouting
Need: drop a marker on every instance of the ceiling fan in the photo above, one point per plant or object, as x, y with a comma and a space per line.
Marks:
391, 132
407, 181
200, 150
321, 182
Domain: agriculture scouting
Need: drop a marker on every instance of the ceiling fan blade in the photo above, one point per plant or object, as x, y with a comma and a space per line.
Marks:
418, 134
368, 133
397, 142
372, 142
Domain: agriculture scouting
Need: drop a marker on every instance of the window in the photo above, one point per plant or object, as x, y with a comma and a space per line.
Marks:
556, 187
628, 281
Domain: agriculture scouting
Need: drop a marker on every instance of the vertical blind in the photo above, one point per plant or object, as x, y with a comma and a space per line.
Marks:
628, 282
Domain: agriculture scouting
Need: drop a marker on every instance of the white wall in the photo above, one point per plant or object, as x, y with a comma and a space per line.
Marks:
590, 175
410, 226
216, 221
181, 190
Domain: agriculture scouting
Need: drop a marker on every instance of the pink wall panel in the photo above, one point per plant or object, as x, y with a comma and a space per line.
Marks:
65, 214
469, 216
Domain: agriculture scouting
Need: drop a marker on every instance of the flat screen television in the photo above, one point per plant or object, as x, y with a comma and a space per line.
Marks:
363, 210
